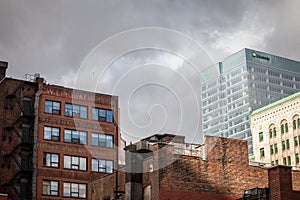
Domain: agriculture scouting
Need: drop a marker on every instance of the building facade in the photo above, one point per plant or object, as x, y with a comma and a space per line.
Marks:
276, 132
54, 140
243, 82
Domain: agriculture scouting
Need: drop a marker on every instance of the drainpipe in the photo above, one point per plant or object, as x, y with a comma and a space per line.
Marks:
40, 82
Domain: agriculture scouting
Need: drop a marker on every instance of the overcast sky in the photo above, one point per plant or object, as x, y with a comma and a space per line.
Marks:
158, 87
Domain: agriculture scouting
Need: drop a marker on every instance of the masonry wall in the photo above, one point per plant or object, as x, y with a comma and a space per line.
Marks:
225, 173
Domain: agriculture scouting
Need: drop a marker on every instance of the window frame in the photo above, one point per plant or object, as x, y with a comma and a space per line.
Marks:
106, 138
98, 115
76, 193
51, 163
56, 192
52, 136
261, 136
262, 152
75, 111
73, 136
283, 145
104, 168
58, 112
76, 165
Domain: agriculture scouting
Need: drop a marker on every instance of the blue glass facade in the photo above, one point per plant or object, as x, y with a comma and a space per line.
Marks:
242, 83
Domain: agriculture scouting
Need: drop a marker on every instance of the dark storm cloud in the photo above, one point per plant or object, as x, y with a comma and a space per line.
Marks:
53, 37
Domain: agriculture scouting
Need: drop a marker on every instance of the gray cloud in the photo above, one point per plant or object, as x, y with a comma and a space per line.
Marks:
54, 37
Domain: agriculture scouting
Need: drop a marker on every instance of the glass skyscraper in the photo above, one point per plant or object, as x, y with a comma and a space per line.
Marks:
242, 83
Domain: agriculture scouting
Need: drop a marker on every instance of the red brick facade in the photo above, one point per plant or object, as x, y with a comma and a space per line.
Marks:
40, 148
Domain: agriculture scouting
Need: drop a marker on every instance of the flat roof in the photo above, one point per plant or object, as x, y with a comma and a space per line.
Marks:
276, 103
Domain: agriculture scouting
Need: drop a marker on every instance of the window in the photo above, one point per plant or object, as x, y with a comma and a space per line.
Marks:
51, 133
73, 110
288, 144
270, 132
276, 162
51, 159
271, 149
297, 158
50, 188
294, 124
75, 190
286, 127
283, 145
73, 136
74, 162
102, 165
284, 161
274, 131
272, 163
275, 148
102, 140
289, 160
295, 141
262, 153
261, 136
298, 122
52, 107
102, 115
282, 129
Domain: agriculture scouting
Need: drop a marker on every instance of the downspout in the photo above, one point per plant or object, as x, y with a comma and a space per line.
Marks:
39, 82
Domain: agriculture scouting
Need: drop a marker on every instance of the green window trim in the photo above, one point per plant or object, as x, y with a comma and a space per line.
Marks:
284, 161
261, 136
283, 145
262, 152
295, 141
288, 144
270, 132
271, 149
294, 124
274, 131
282, 129
297, 158
275, 148
286, 127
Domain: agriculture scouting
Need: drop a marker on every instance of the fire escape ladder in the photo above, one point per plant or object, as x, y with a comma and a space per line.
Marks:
16, 191
17, 132
17, 161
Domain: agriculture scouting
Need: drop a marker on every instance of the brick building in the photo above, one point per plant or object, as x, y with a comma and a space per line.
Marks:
54, 140
224, 174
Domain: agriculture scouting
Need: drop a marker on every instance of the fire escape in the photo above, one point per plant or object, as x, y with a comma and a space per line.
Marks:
19, 138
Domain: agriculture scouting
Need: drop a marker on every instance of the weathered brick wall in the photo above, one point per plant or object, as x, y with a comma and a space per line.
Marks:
225, 172
104, 187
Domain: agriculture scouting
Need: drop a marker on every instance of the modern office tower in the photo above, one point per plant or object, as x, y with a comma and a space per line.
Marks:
54, 140
276, 132
243, 82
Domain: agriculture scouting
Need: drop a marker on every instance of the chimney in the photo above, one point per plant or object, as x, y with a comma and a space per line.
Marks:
3, 67
280, 183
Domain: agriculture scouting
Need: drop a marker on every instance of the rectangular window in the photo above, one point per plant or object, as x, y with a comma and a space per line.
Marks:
74, 162
51, 159
284, 161
270, 132
286, 127
102, 115
50, 188
261, 136
262, 153
298, 122
294, 124
102, 140
283, 145
295, 141
73, 136
52, 107
78, 111
99, 165
271, 149
74, 190
289, 160
276, 162
282, 129
297, 158
51, 133
274, 131
288, 144
275, 148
